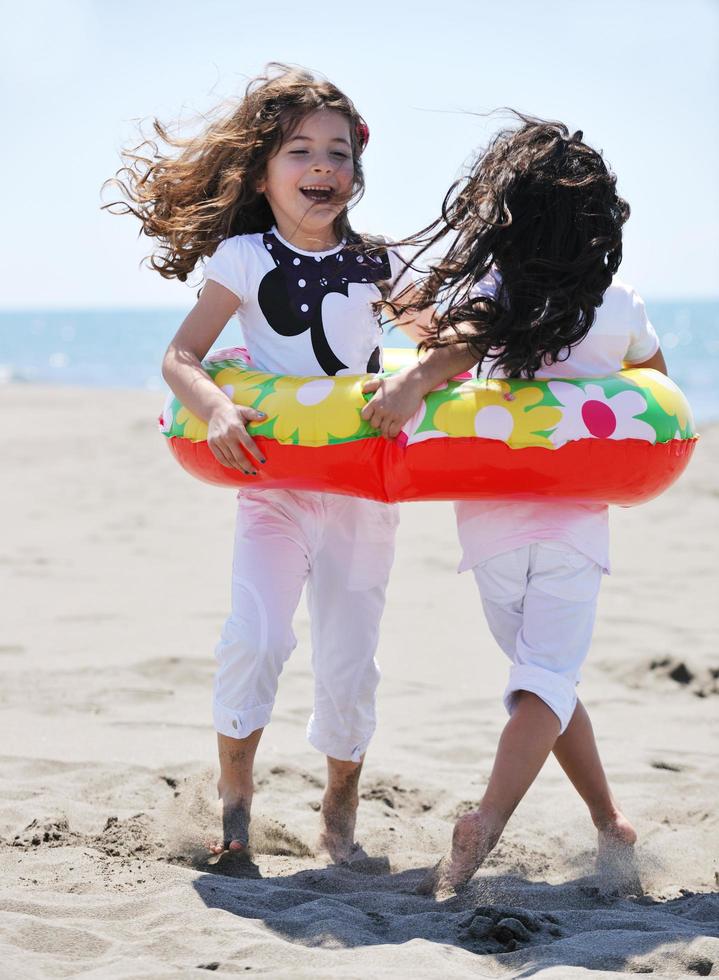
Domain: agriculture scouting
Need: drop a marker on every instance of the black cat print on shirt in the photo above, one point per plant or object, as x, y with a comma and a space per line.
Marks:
291, 295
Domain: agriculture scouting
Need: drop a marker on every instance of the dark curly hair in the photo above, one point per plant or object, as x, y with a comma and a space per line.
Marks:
540, 207
202, 189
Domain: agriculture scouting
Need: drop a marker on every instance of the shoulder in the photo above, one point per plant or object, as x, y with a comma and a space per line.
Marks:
398, 256
621, 294
237, 262
372, 241
622, 303
374, 244
239, 244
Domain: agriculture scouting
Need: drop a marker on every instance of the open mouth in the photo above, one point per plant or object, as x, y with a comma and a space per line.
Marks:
318, 193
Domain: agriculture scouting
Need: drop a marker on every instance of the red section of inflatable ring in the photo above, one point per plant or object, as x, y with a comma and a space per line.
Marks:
627, 471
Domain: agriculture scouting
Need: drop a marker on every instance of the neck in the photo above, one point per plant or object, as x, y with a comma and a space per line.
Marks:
320, 240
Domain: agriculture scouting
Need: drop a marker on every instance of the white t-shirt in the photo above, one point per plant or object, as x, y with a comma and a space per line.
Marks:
621, 333
307, 313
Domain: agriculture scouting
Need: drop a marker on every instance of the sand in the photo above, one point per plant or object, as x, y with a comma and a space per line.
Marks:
114, 571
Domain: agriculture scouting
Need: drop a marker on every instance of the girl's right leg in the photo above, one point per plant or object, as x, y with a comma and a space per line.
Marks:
273, 544
235, 788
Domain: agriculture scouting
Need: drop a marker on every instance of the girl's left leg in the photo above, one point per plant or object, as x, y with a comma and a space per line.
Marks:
528, 738
557, 609
346, 597
576, 748
274, 539
576, 752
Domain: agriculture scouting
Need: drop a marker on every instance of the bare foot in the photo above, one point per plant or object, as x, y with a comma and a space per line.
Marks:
437, 882
339, 816
474, 836
616, 860
235, 828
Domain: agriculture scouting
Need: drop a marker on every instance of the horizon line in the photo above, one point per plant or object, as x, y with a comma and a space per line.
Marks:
648, 298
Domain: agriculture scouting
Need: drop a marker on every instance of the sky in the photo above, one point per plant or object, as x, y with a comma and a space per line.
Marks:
639, 77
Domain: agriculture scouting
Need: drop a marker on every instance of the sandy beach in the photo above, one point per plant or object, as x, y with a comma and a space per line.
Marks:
114, 575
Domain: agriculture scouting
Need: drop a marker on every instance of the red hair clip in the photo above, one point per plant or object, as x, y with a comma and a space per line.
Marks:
362, 133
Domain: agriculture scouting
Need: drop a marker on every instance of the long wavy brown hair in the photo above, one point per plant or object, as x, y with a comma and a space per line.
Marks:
192, 192
541, 207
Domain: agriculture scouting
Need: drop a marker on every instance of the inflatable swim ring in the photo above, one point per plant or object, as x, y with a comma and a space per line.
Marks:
621, 439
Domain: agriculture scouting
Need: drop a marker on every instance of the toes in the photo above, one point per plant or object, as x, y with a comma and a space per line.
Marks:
229, 845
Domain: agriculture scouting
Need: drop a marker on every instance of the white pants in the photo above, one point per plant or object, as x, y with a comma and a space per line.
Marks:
343, 548
540, 602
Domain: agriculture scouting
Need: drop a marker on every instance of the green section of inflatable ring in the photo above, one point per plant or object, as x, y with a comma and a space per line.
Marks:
335, 417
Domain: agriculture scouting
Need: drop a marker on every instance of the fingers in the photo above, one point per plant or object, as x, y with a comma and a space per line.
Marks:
251, 447
250, 415
386, 425
389, 428
371, 385
232, 457
233, 447
253, 415
375, 416
370, 413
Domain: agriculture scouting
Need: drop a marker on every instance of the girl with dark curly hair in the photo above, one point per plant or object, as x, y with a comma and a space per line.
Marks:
526, 288
262, 194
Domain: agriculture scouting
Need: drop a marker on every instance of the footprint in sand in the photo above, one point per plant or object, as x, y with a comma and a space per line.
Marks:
504, 929
50, 833
702, 682
397, 797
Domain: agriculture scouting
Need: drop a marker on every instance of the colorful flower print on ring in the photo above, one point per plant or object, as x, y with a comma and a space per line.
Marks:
589, 413
617, 439
313, 411
492, 410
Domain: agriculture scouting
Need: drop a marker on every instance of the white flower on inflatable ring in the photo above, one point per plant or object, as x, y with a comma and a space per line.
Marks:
589, 413
167, 418
408, 432
311, 411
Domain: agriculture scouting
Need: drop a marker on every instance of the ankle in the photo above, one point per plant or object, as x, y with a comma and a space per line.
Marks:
494, 818
235, 791
605, 816
485, 821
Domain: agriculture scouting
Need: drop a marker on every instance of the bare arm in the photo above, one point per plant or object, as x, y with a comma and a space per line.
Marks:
417, 326
399, 396
183, 372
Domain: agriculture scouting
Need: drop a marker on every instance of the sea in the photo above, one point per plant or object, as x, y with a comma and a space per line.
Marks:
123, 348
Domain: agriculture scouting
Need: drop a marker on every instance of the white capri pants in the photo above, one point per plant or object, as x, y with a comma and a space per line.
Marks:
343, 548
540, 602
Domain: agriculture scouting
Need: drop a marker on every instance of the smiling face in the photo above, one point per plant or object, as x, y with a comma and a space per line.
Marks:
308, 182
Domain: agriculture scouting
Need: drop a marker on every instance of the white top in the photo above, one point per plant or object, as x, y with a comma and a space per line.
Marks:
307, 313
621, 333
